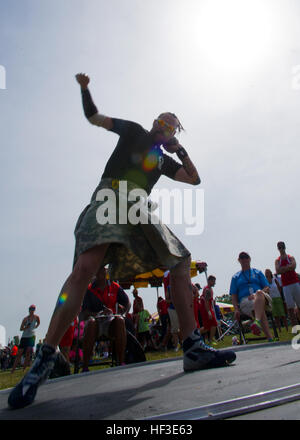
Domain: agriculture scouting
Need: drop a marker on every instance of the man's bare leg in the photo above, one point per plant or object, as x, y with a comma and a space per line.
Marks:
260, 314
72, 293
182, 297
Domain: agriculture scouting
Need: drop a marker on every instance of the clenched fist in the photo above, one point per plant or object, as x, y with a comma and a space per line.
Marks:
172, 145
83, 79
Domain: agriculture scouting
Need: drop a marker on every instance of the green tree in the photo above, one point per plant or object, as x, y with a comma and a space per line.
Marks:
224, 299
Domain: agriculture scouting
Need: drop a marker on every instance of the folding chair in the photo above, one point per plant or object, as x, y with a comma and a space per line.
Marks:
245, 319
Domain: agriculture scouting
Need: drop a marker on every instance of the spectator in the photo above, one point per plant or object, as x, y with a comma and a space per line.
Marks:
137, 304
27, 343
102, 296
67, 340
200, 321
13, 354
249, 290
162, 309
143, 333
285, 265
207, 309
277, 303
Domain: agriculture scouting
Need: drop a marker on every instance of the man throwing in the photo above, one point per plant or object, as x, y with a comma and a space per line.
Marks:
129, 249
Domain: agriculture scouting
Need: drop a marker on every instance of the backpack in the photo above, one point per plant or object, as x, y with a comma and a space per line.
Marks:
134, 351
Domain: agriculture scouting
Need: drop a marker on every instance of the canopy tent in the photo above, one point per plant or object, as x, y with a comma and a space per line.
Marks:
225, 307
155, 278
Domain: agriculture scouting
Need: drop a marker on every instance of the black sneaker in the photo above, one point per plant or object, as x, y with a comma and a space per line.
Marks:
199, 356
24, 393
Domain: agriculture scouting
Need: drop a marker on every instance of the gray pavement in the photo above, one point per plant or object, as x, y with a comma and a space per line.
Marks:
151, 389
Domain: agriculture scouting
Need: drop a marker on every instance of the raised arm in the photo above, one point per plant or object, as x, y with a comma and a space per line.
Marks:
187, 173
89, 108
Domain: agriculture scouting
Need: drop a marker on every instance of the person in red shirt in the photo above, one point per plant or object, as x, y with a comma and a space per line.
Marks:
103, 296
207, 309
285, 266
67, 340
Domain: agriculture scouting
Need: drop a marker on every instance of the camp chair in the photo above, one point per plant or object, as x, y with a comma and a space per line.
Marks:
246, 320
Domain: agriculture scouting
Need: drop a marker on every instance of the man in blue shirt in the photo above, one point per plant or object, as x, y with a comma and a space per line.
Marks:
249, 289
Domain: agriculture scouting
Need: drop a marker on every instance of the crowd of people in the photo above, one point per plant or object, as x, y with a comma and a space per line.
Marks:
105, 318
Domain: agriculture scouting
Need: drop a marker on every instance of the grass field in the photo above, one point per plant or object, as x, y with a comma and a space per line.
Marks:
8, 380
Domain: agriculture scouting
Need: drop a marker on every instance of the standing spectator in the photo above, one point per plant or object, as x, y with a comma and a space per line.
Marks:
137, 304
249, 290
143, 333
207, 309
277, 303
200, 321
162, 309
27, 343
285, 265
13, 354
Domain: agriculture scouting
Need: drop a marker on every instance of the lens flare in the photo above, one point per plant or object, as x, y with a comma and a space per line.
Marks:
151, 160
62, 299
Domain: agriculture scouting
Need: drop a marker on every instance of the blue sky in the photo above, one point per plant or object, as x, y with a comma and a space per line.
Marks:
225, 72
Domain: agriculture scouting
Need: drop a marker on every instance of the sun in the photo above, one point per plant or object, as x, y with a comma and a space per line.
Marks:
234, 36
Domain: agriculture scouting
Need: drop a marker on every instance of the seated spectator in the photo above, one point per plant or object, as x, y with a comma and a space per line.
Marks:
72, 354
249, 290
277, 303
99, 307
207, 309
67, 340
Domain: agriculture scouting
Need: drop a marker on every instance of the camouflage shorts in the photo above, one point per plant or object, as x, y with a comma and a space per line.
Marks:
134, 249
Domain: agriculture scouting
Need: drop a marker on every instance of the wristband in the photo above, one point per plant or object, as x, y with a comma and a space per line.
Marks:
181, 153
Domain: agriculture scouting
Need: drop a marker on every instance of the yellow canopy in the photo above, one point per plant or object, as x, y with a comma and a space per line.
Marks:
157, 274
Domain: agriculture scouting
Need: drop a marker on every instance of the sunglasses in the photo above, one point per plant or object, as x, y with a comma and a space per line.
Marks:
244, 257
166, 126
